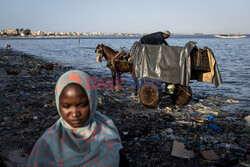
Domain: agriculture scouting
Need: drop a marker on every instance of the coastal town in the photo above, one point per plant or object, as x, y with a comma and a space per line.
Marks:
34, 33
29, 33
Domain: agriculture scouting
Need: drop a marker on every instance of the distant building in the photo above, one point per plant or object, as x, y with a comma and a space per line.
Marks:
84, 34
47, 33
11, 32
37, 33
63, 33
74, 33
40, 33
33, 33
22, 34
52, 33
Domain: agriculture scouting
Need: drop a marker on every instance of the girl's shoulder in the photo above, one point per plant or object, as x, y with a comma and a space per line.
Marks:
103, 119
49, 133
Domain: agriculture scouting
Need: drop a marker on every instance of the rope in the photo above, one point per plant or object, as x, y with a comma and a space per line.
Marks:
198, 58
114, 59
184, 91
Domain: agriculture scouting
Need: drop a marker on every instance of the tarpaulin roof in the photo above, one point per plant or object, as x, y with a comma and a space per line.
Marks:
166, 63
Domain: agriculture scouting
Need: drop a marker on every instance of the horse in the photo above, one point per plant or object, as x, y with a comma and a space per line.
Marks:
116, 67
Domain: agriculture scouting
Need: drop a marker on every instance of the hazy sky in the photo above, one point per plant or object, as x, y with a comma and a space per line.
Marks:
178, 16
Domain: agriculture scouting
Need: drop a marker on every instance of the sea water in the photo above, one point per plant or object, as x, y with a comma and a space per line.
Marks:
232, 56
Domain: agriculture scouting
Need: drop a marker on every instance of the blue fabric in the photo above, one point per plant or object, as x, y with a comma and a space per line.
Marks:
96, 143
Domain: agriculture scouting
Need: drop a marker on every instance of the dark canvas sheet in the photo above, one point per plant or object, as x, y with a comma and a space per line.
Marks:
165, 63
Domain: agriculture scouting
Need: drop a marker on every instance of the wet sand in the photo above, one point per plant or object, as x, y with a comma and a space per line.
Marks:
27, 109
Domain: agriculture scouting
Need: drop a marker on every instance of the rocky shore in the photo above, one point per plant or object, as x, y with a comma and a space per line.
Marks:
198, 134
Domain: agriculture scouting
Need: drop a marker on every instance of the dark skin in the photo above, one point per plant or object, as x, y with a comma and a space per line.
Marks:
74, 105
165, 36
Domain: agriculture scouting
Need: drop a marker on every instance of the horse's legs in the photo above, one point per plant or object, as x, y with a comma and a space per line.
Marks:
119, 79
114, 77
136, 82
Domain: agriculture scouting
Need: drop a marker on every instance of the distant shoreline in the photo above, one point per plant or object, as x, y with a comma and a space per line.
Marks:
96, 36
72, 37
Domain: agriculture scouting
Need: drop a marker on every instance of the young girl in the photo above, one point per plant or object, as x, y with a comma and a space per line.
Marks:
82, 136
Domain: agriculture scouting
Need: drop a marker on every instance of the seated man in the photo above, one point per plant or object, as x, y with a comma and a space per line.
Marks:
157, 38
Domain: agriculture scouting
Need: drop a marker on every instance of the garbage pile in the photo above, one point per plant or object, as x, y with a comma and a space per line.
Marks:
27, 105
198, 134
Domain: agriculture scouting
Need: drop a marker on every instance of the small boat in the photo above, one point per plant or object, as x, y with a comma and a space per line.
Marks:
229, 36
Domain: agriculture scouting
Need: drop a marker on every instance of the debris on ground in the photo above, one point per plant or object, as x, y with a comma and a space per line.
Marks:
201, 133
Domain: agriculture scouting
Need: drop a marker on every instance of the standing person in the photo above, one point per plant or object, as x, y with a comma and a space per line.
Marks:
157, 38
81, 136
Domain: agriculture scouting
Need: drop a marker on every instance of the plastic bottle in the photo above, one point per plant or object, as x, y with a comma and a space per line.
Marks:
214, 127
230, 146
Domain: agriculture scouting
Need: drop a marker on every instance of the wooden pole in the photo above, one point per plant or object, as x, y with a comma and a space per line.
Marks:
79, 38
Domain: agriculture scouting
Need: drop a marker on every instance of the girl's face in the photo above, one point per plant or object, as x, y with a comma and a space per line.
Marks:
74, 105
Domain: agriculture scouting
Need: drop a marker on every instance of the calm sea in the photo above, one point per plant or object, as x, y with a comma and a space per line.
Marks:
232, 55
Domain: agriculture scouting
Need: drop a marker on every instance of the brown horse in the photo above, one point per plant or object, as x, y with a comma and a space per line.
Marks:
116, 67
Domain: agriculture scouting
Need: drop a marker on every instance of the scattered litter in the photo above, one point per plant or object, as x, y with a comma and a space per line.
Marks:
230, 146
210, 155
232, 101
178, 150
155, 138
184, 122
208, 122
169, 131
100, 100
214, 127
168, 108
247, 119
207, 112
209, 117
124, 133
